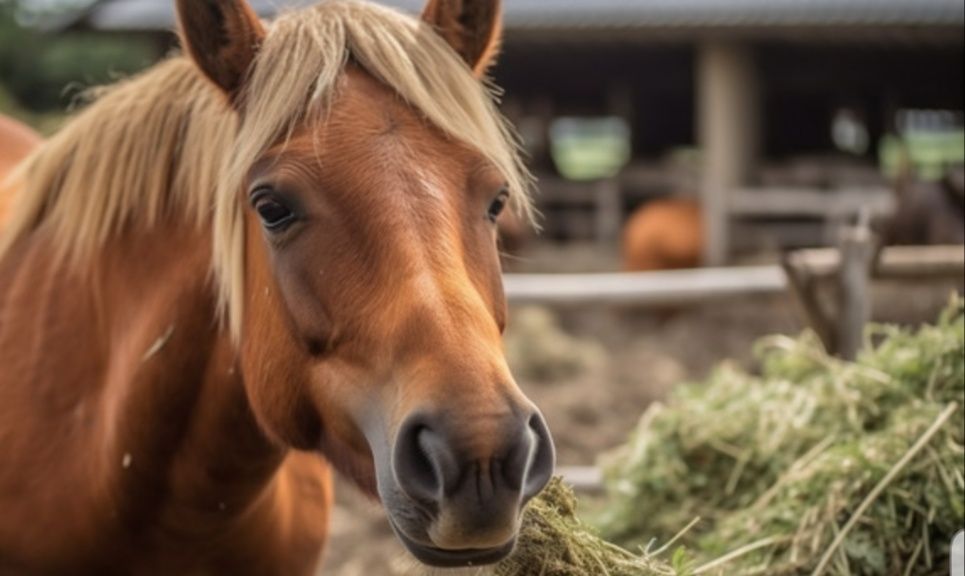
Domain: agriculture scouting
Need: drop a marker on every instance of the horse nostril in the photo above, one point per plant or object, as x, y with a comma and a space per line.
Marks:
429, 471
544, 459
529, 464
422, 462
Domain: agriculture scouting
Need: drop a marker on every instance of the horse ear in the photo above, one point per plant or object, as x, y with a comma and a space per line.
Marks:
472, 27
222, 37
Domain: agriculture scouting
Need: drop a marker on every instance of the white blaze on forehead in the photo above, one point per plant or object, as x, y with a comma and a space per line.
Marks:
430, 184
438, 285
429, 212
428, 196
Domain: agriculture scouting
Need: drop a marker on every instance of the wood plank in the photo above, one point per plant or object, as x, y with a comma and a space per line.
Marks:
857, 249
675, 287
894, 262
609, 212
646, 288
776, 202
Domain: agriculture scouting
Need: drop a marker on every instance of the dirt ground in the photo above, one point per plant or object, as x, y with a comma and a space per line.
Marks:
592, 371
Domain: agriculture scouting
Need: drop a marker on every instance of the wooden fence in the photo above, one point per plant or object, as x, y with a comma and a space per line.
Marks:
678, 287
853, 266
673, 287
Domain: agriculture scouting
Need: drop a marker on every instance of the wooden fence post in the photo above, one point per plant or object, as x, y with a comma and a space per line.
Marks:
803, 284
858, 251
609, 211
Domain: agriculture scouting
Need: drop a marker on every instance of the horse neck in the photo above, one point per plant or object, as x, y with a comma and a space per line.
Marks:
155, 374
194, 400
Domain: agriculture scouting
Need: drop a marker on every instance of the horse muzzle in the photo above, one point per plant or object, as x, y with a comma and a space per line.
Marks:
456, 501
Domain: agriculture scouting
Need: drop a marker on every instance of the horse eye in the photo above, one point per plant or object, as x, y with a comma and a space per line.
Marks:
498, 205
274, 214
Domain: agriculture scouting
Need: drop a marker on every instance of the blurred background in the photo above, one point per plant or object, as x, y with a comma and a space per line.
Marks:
708, 171
779, 117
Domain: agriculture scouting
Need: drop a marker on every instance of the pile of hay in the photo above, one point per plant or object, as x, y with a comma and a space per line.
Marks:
814, 466
554, 542
540, 349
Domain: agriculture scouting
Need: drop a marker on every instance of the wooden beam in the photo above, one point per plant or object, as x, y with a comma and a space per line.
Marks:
804, 286
894, 262
674, 287
839, 321
644, 288
771, 202
728, 116
609, 211
858, 248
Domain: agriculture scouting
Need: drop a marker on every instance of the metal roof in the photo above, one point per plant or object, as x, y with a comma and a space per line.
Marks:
607, 14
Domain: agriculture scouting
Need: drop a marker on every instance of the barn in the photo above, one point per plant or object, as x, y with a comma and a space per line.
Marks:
780, 116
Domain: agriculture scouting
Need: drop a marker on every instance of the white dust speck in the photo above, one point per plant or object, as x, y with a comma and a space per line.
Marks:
158, 344
126, 460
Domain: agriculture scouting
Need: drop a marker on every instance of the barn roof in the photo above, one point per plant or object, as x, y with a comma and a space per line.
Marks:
550, 15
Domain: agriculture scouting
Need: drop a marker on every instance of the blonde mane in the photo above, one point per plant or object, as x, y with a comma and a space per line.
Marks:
147, 147
166, 142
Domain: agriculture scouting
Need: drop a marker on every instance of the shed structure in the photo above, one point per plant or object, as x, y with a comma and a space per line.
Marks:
752, 85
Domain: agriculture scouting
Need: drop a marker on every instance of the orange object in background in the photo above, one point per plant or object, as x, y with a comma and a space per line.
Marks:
664, 234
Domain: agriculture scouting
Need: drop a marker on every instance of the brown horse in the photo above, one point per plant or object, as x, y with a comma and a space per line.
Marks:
664, 234
927, 212
235, 264
16, 142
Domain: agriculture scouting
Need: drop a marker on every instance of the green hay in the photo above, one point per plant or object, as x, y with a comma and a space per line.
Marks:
778, 464
553, 542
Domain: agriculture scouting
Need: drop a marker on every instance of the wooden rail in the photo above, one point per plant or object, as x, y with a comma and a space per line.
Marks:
676, 287
912, 262
644, 288
804, 268
773, 201
840, 322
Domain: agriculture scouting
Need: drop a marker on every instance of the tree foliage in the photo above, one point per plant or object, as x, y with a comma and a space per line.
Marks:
41, 72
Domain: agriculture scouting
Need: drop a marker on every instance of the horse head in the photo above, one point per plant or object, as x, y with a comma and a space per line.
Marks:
356, 233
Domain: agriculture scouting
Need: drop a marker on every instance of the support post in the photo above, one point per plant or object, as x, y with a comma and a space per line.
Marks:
728, 134
858, 251
609, 213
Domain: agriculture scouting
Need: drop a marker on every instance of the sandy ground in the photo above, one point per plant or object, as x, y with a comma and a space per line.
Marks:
593, 371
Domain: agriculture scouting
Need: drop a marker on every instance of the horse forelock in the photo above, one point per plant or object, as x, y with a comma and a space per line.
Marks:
400, 51
166, 143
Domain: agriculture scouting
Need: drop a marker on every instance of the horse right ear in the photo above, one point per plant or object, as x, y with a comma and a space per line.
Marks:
222, 37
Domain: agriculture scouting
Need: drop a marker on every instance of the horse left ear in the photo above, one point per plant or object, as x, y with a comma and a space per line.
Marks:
222, 37
472, 27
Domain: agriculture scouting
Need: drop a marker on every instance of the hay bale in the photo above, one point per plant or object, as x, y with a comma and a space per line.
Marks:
538, 348
554, 542
815, 465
